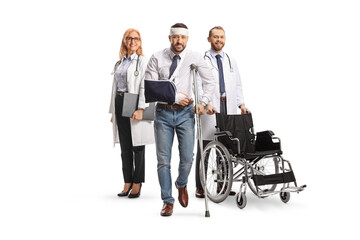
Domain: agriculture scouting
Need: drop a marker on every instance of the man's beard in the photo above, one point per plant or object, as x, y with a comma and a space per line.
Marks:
214, 47
173, 48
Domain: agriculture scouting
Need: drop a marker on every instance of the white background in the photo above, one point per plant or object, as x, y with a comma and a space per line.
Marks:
59, 175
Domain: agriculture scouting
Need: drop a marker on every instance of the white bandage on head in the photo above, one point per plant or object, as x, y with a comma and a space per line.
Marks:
179, 31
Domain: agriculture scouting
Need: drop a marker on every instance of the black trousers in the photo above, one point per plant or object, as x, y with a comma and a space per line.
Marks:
197, 164
133, 158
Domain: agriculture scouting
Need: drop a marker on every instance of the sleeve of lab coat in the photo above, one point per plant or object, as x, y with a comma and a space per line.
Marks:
143, 67
239, 89
207, 79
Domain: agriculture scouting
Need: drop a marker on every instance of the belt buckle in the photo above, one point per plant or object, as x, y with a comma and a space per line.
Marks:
176, 106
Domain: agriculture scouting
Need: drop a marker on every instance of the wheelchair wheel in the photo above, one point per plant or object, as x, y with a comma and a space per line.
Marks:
241, 200
264, 166
218, 171
285, 197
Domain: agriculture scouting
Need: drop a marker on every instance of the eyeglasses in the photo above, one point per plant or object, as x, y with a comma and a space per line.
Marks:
129, 39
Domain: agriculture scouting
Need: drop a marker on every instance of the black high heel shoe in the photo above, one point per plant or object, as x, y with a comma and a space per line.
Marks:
136, 194
124, 194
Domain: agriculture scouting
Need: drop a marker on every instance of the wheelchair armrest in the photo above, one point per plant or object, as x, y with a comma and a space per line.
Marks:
264, 133
231, 143
226, 133
265, 141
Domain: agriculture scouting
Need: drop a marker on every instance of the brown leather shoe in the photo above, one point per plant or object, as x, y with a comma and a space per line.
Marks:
167, 209
199, 193
183, 196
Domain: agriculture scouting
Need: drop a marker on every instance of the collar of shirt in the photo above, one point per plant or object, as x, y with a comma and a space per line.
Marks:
172, 54
130, 58
213, 54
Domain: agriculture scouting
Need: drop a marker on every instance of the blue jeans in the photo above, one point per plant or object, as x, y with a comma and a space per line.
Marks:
168, 122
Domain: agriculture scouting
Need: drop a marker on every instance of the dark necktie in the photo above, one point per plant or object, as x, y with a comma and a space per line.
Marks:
174, 65
221, 74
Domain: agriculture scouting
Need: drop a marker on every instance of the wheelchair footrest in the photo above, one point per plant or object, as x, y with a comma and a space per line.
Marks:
274, 178
294, 189
267, 193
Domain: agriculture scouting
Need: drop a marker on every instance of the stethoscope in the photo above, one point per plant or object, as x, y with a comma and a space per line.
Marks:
136, 73
231, 68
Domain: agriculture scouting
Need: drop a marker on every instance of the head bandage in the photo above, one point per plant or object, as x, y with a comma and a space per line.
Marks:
179, 31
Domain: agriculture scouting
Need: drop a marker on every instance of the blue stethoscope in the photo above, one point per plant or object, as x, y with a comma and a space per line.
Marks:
231, 68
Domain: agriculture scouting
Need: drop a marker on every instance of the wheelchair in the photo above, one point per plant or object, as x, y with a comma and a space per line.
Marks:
239, 155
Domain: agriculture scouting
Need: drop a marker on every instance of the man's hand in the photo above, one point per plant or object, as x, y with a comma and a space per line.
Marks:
244, 110
182, 99
184, 102
210, 109
201, 109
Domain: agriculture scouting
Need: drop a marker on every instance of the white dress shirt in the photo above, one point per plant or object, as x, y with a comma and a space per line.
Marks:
213, 56
159, 69
121, 73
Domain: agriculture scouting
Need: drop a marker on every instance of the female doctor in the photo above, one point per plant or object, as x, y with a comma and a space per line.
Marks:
132, 133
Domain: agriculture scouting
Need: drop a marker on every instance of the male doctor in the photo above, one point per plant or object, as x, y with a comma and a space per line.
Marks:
228, 95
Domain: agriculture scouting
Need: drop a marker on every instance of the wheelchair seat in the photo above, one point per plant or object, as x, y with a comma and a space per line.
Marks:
261, 153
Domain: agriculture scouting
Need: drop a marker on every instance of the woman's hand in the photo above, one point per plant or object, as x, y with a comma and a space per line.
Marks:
138, 114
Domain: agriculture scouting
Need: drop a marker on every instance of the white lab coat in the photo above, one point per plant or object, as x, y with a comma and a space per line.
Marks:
142, 132
233, 90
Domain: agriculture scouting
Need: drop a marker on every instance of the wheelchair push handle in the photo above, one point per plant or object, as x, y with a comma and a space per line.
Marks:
247, 111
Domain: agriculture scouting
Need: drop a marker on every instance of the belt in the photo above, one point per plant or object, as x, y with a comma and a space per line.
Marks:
120, 93
223, 99
167, 106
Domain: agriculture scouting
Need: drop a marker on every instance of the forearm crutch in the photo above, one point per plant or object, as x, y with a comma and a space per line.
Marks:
198, 125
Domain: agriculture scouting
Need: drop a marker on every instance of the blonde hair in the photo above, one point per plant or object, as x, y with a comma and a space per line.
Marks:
123, 50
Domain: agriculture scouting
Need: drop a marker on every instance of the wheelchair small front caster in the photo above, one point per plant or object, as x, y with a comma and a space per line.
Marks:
241, 200
285, 197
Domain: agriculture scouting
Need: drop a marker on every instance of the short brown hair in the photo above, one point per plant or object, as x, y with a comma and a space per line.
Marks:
179, 25
216, 27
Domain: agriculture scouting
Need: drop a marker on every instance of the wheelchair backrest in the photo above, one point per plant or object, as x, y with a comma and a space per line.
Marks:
241, 127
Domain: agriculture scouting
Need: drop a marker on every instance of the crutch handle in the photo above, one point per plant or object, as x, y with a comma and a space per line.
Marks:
193, 67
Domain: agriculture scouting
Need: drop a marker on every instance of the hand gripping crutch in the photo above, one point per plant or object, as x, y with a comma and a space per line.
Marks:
198, 125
